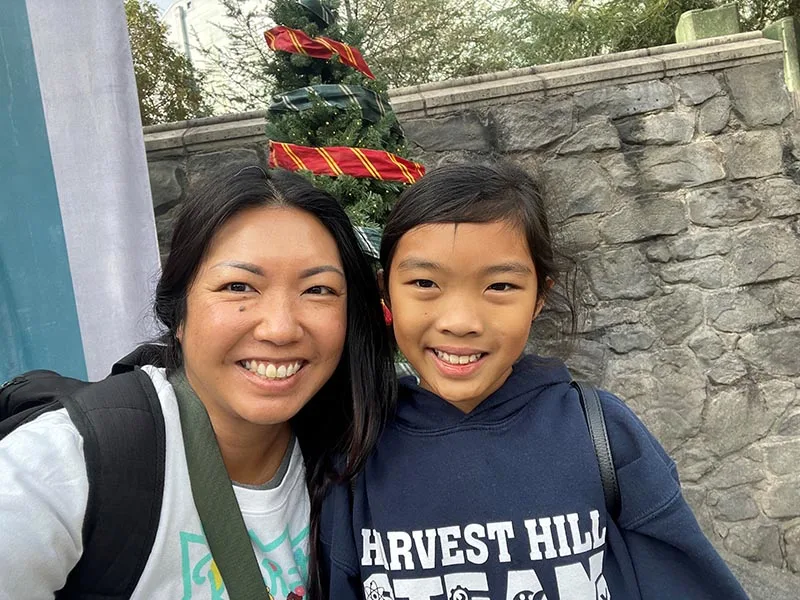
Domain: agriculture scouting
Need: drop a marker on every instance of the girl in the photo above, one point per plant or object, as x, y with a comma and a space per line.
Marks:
486, 484
273, 326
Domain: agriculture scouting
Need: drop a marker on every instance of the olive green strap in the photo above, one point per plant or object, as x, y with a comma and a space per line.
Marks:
216, 503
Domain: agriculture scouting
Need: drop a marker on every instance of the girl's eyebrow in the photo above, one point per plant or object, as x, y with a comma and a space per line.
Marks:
419, 263
509, 267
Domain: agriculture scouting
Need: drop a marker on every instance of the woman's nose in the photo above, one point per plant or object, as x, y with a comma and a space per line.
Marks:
278, 321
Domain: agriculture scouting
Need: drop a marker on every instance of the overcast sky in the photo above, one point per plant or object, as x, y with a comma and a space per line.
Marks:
163, 4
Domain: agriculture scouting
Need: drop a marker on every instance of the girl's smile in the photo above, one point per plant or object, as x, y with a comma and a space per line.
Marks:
462, 315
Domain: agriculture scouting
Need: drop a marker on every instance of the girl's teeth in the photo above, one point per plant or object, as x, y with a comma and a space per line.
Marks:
456, 359
270, 371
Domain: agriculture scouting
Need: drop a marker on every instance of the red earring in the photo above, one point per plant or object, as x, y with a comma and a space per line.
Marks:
387, 314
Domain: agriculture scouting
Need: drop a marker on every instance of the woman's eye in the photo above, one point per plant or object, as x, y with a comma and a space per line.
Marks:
503, 287
320, 290
238, 286
423, 283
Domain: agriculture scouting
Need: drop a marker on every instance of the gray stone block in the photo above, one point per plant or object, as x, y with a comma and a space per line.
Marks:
787, 299
609, 314
696, 88
578, 186
594, 135
789, 425
755, 541
532, 125
758, 93
783, 458
752, 153
658, 252
782, 500
626, 100
578, 234
621, 273
165, 185
643, 217
658, 129
700, 245
726, 370
669, 168
764, 253
463, 132
774, 352
676, 315
714, 115
707, 344
665, 388
200, 166
780, 197
763, 581
792, 538
738, 310
709, 273
735, 470
621, 172
734, 505
723, 205
735, 417
625, 338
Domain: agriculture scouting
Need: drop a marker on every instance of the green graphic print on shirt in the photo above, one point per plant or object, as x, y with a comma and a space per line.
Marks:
283, 561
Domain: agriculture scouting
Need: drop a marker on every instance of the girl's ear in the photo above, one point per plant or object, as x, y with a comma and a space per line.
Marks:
548, 284
179, 333
382, 286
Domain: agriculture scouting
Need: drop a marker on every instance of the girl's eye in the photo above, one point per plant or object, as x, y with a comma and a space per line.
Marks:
239, 287
320, 290
423, 283
503, 287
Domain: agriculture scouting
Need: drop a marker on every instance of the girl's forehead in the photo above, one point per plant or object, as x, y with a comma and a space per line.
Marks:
475, 243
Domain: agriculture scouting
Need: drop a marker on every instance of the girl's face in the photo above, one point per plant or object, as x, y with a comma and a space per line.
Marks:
266, 317
463, 297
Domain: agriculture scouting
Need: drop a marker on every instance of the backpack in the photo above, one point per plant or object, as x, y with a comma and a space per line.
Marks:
122, 426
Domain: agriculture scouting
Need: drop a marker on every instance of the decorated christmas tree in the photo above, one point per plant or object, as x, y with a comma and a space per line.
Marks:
331, 118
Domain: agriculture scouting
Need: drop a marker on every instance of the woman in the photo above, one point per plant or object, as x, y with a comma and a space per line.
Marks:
273, 322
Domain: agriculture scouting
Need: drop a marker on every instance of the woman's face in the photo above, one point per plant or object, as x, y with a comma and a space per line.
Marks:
266, 317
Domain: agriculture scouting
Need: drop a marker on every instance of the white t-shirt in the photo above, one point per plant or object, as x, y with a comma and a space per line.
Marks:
43, 495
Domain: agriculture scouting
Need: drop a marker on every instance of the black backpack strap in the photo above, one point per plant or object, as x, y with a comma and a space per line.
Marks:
595, 420
123, 431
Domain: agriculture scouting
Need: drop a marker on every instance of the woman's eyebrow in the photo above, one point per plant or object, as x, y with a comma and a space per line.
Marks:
320, 269
250, 267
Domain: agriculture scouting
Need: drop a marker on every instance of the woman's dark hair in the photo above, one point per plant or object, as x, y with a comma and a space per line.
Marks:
346, 416
482, 193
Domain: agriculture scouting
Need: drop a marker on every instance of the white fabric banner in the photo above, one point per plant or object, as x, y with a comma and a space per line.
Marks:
85, 71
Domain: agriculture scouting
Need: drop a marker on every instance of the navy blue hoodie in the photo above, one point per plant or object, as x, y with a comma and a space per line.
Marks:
505, 503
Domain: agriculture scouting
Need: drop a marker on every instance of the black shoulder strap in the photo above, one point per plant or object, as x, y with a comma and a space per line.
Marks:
593, 411
122, 426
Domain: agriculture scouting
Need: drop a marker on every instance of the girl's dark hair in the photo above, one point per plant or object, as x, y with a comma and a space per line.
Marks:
483, 193
346, 416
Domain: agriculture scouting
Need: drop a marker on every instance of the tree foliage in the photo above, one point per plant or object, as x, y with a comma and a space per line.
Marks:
367, 201
169, 88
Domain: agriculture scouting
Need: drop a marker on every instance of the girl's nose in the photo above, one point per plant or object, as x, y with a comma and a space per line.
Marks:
460, 317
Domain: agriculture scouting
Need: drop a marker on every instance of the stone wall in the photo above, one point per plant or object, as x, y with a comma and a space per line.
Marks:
672, 177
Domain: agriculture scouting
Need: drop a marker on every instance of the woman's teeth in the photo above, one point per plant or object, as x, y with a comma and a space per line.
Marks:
458, 359
271, 371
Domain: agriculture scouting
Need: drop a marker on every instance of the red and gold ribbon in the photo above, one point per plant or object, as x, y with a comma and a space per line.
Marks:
342, 160
298, 42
